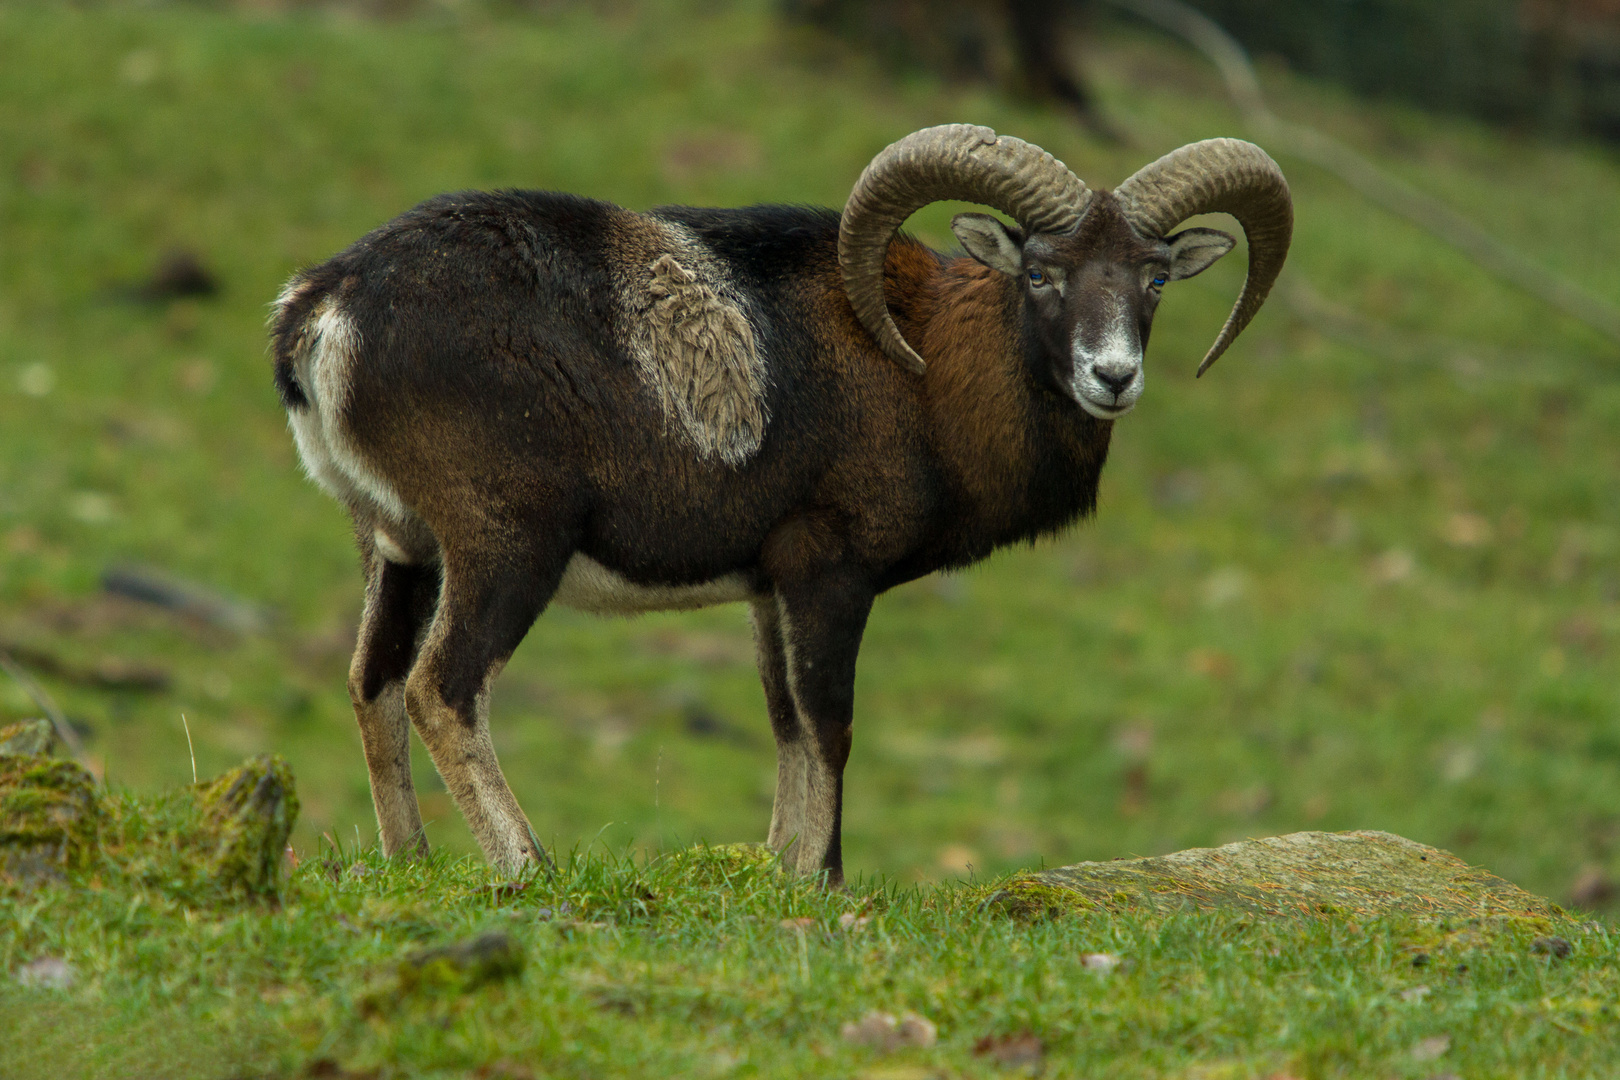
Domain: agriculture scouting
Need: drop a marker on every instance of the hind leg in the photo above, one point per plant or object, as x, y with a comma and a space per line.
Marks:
486, 607
792, 744
399, 602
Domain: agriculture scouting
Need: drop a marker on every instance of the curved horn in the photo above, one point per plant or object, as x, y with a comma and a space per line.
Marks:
952, 161
1219, 175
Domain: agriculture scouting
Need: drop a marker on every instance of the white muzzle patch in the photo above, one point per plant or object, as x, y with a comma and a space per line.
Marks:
1108, 375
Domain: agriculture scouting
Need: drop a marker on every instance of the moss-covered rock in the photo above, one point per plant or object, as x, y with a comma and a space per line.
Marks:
27, 737
445, 970
217, 840
247, 815
463, 965
49, 816
1302, 874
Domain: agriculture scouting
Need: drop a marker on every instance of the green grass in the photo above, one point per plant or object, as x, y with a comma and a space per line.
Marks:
1365, 574
683, 966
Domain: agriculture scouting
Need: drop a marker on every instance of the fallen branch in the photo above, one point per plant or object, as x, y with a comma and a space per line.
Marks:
185, 598
107, 673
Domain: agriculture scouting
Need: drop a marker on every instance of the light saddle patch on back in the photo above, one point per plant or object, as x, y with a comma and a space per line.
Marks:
696, 350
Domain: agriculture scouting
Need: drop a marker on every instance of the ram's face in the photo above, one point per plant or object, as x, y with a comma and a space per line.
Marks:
1090, 296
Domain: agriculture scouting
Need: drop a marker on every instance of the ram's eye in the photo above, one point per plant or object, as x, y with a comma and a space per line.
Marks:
1159, 280
1037, 278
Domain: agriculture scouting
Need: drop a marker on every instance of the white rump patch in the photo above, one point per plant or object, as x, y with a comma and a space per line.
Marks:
324, 356
696, 350
587, 585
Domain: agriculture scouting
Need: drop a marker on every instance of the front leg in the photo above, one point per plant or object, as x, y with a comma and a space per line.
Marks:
822, 620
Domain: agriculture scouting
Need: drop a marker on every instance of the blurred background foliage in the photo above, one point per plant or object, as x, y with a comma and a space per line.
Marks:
1366, 574
1552, 66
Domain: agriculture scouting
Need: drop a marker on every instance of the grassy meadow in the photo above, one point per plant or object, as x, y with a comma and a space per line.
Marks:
1364, 574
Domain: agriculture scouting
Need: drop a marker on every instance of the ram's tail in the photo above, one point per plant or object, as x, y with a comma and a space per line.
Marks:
292, 335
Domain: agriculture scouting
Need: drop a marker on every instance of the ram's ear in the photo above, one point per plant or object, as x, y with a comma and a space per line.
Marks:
1192, 251
998, 246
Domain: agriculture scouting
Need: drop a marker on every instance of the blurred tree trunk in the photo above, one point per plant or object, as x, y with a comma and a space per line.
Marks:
1025, 45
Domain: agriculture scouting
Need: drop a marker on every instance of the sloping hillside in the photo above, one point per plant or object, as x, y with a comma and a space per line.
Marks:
1363, 575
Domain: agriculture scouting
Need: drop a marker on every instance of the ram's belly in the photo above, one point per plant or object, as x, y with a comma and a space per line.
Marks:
587, 585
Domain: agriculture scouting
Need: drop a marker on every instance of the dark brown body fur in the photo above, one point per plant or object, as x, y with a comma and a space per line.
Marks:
488, 387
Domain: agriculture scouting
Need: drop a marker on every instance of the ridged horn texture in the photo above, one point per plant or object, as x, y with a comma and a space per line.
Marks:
1226, 176
952, 161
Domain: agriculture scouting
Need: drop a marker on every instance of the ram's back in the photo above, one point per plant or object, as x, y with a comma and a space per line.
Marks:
519, 358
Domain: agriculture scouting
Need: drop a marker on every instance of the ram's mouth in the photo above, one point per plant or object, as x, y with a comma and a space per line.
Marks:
1104, 412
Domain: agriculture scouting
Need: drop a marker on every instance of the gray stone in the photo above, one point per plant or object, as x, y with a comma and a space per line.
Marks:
1303, 874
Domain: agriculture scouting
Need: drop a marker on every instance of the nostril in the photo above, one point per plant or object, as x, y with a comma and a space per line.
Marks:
1114, 378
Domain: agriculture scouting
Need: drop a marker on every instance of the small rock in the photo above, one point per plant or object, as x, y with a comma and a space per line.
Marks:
178, 273
917, 1030
1431, 1048
874, 1029
47, 973
1415, 993
327, 1069
1099, 961
1024, 1049
504, 1070
797, 924
1592, 888
882, 1030
464, 965
1556, 947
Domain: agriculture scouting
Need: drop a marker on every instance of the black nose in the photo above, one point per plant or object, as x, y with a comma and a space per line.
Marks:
1114, 379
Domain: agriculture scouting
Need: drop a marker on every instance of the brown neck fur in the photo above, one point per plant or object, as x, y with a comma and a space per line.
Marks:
977, 386
994, 427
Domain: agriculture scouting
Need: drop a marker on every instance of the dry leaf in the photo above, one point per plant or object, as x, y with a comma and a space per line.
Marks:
47, 973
